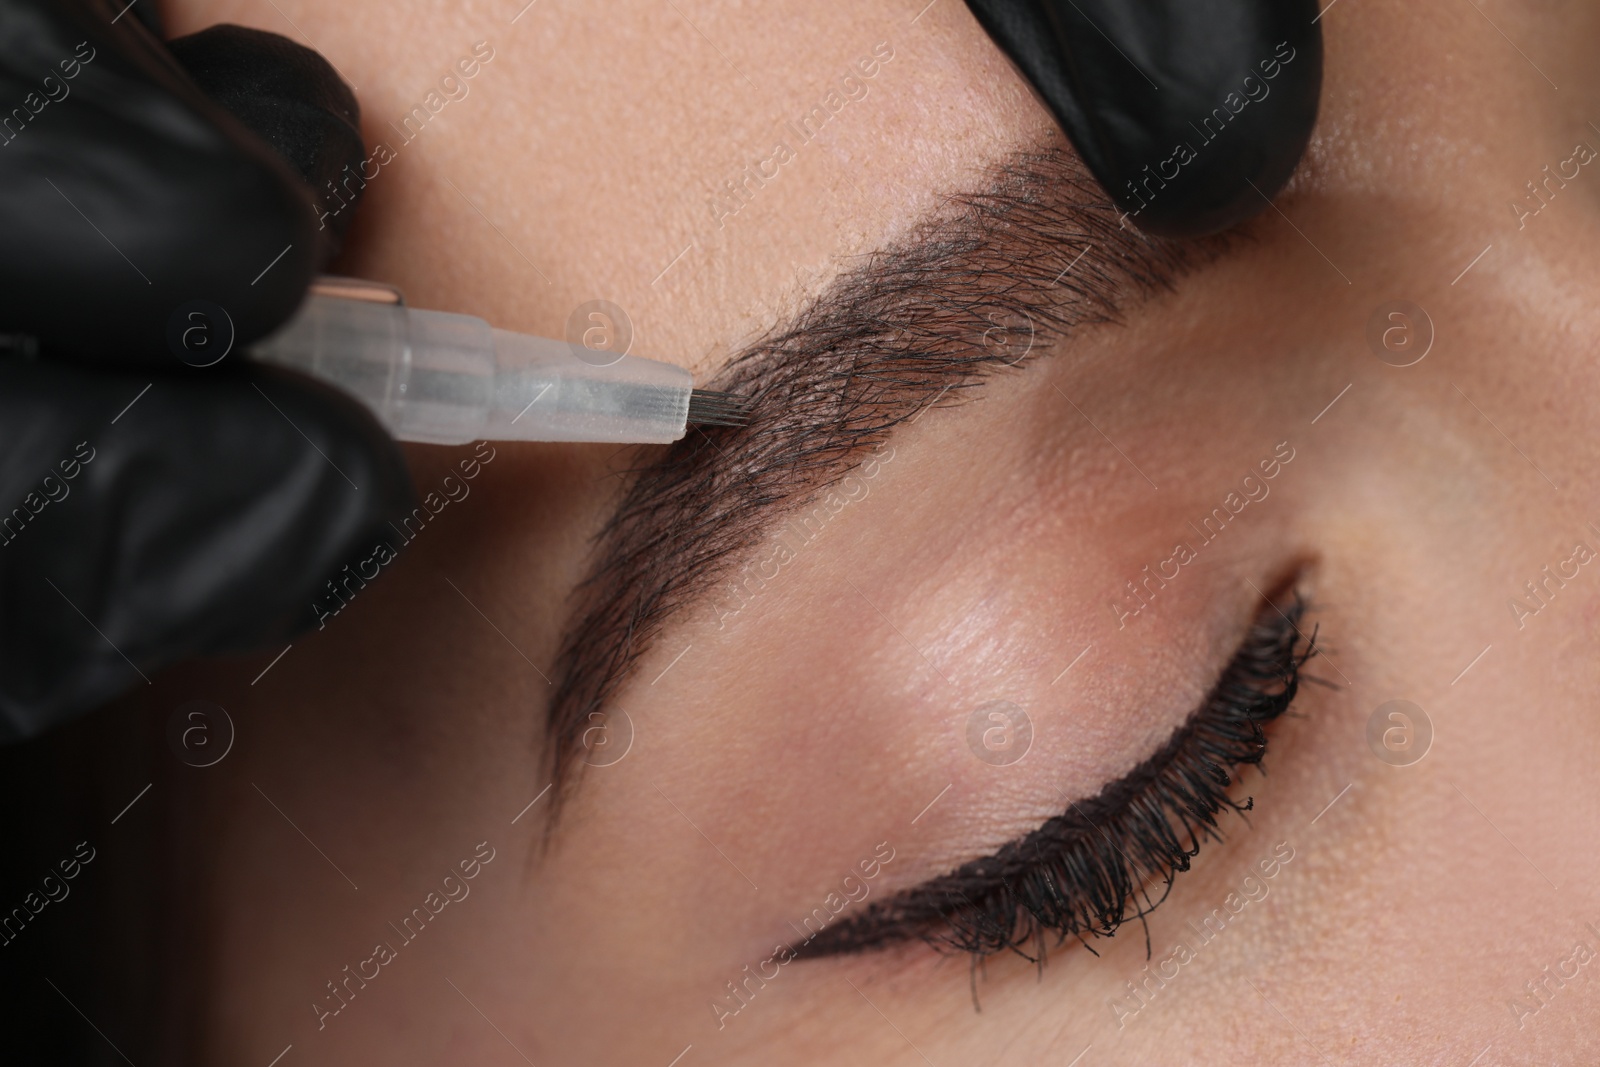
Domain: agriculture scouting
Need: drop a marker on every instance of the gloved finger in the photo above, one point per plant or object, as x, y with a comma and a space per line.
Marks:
149, 522
292, 99
129, 194
1191, 114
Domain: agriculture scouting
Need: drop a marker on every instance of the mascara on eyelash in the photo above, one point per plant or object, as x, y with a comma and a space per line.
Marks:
1081, 874
442, 378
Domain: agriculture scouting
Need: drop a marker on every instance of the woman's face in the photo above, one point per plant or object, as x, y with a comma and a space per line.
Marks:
1378, 395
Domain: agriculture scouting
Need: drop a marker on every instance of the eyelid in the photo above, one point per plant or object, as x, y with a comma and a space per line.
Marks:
1082, 872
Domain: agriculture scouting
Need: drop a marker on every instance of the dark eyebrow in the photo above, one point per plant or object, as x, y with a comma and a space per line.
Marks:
1040, 248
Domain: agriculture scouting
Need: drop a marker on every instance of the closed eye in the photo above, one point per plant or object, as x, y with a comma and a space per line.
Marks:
1110, 858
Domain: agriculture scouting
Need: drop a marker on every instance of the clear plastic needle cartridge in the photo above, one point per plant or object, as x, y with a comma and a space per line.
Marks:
445, 378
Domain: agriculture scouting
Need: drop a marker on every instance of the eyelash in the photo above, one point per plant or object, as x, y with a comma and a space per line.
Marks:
1080, 874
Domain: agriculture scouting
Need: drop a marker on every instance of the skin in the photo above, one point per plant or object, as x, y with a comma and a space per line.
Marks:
785, 745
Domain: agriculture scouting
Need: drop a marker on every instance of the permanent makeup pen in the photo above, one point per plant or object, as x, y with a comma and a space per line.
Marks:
444, 378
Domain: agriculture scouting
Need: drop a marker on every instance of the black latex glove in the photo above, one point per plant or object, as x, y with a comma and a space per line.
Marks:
207, 516
1190, 113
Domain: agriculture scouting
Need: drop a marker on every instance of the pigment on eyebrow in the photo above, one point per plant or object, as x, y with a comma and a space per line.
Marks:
1040, 245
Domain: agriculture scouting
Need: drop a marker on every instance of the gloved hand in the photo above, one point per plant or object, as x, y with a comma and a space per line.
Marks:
152, 509
1189, 113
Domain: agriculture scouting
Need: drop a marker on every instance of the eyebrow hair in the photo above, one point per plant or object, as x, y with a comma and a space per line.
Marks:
1041, 245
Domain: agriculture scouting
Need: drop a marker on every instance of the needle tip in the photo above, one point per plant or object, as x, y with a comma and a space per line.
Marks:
707, 408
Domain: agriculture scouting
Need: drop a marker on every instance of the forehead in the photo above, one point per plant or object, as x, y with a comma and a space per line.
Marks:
704, 168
